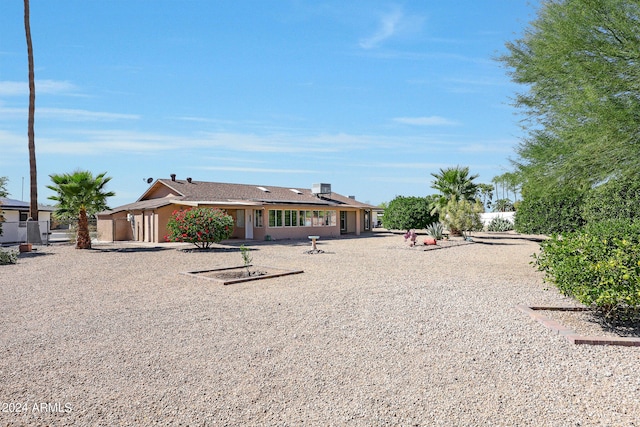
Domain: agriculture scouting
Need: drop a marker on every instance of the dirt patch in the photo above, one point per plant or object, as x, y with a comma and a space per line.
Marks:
229, 275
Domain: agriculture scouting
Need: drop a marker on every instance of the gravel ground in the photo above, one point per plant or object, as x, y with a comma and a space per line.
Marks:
371, 334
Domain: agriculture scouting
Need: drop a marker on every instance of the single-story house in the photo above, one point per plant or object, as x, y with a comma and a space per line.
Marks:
16, 214
259, 212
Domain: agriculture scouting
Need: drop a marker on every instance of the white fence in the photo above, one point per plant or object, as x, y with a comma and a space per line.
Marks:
36, 232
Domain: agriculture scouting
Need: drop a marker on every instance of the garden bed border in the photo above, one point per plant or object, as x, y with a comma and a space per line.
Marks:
571, 335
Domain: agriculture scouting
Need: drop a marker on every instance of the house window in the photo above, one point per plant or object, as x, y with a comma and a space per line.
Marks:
290, 218
305, 218
258, 215
240, 218
343, 221
317, 218
275, 218
23, 219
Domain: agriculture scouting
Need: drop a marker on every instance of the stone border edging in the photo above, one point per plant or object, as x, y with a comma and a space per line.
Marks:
571, 335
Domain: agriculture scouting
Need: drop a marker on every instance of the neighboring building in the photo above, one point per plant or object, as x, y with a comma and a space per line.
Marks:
259, 212
16, 213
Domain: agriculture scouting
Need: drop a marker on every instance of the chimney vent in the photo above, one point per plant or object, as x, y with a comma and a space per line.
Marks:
352, 197
173, 176
189, 180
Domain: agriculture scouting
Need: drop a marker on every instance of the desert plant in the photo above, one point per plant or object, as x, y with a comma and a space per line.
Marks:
8, 257
200, 226
598, 265
462, 216
246, 256
435, 230
500, 224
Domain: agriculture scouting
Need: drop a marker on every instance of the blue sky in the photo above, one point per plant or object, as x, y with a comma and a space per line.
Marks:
369, 96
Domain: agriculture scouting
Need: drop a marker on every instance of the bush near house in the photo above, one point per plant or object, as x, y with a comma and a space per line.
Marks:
200, 226
406, 213
598, 265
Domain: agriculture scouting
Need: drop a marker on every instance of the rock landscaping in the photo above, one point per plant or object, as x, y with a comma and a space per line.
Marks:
372, 334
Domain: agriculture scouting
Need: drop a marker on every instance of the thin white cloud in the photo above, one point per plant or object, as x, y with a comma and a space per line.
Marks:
387, 28
15, 88
83, 115
66, 114
425, 121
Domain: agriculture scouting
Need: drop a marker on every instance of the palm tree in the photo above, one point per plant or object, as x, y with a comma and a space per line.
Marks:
455, 182
33, 175
80, 195
485, 191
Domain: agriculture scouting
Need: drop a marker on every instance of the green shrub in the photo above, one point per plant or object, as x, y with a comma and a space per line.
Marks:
406, 213
8, 257
557, 211
435, 230
598, 265
200, 226
500, 224
617, 198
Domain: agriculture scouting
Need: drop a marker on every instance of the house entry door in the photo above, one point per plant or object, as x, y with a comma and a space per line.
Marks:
343, 222
248, 224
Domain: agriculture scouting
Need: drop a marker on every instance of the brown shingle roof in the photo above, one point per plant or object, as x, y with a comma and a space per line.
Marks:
203, 191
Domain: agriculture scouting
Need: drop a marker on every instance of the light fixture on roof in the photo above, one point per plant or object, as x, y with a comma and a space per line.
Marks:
266, 190
148, 180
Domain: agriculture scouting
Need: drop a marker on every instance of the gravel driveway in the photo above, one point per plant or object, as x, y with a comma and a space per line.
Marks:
373, 333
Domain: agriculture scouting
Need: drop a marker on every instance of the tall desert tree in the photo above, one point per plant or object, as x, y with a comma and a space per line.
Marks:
33, 172
578, 62
79, 195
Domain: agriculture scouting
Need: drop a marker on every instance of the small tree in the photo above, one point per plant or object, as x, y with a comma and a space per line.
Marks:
246, 257
462, 216
200, 226
405, 213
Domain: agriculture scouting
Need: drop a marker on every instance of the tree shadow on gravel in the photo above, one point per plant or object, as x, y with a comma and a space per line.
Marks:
500, 239
626, 326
